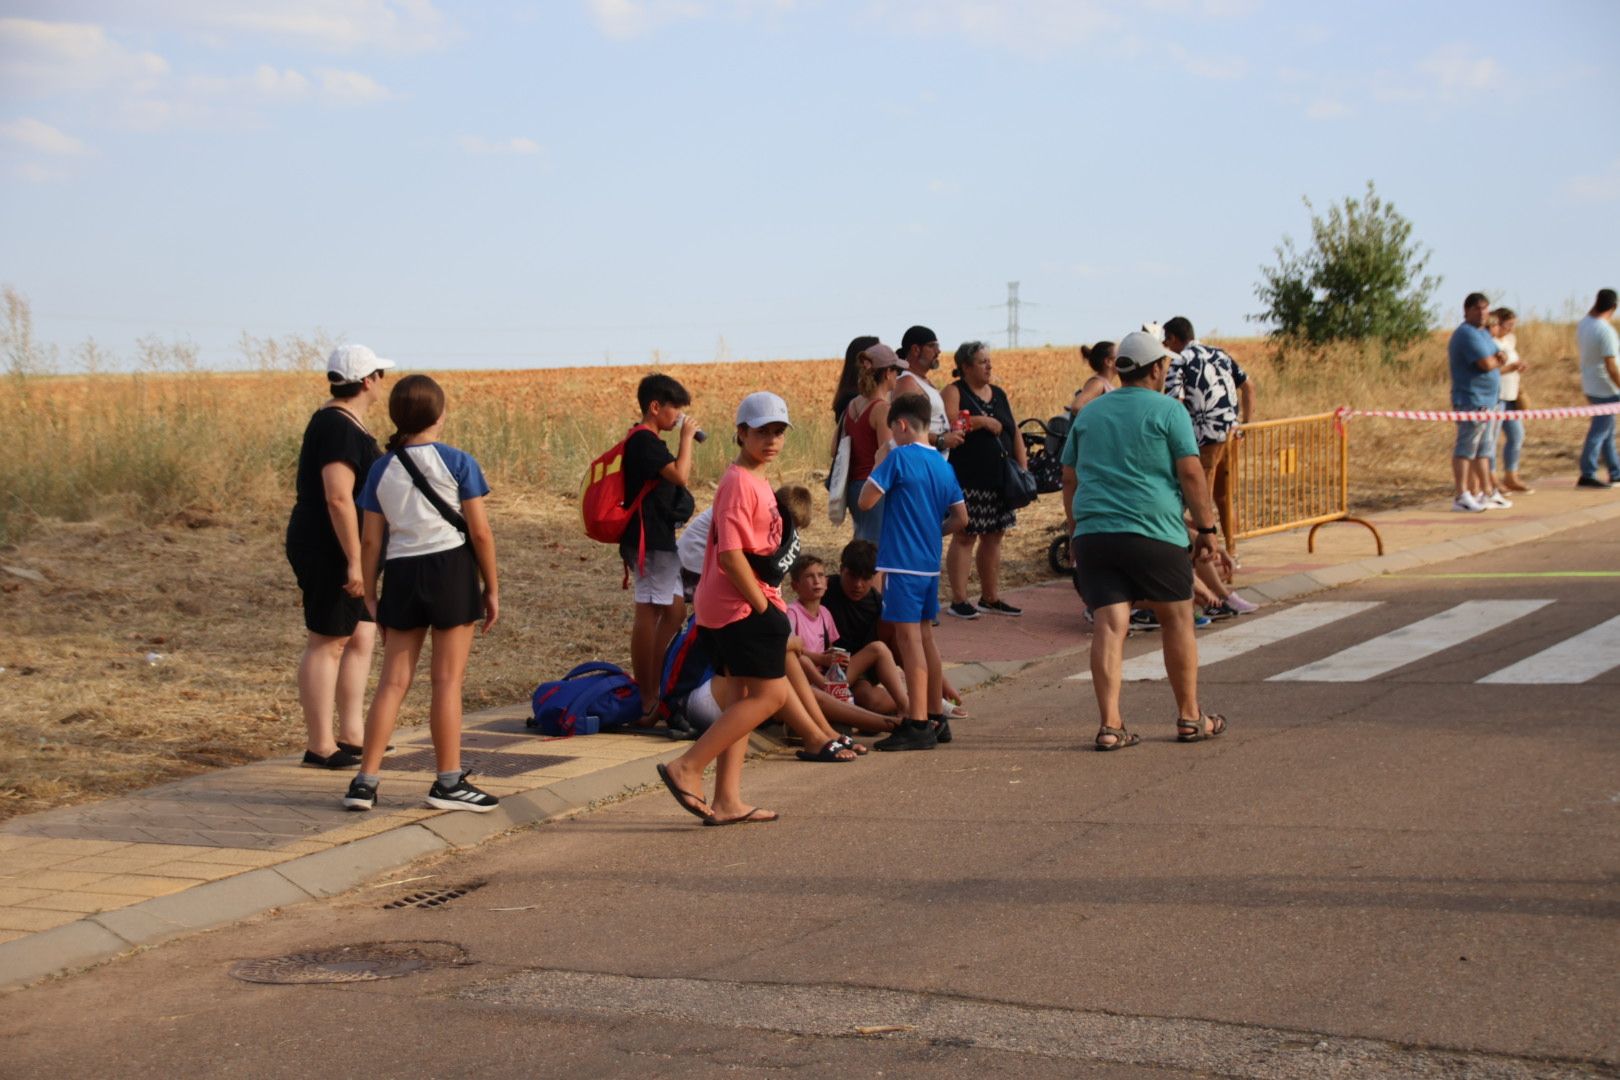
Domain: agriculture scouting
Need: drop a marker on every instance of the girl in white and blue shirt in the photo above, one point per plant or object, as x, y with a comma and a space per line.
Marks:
438, 572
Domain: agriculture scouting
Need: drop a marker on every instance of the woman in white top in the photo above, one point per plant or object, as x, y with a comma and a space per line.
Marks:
1513, 399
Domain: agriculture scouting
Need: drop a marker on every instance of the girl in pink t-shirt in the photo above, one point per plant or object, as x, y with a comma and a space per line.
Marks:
742, 619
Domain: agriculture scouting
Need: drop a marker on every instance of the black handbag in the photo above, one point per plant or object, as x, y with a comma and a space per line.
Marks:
1018, 487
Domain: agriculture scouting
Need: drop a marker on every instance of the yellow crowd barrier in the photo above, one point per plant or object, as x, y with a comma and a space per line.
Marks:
1286, 474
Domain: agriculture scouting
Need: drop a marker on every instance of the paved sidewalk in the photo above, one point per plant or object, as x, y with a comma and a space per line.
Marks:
82, 884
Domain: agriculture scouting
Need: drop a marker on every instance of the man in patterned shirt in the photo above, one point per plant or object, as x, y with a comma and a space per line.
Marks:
1218, 395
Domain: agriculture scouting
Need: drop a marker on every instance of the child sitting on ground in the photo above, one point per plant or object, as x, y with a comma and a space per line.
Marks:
424, 501
874, 679
922, 502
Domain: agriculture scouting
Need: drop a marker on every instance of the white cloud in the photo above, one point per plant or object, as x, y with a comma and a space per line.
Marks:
1327, 109
34, 173
516, 145
1207, 65
1032, 26
632, 18
42, 138
43, 59
350, 87
1457, 70
1598, 187
334, 25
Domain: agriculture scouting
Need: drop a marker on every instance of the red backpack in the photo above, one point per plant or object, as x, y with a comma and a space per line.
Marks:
603, 503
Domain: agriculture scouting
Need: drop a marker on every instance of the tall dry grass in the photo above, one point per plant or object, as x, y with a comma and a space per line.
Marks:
157, 442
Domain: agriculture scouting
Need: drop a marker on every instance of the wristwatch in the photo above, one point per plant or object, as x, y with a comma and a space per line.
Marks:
1205, 530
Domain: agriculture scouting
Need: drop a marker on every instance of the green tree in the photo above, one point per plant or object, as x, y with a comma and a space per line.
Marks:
1361, 279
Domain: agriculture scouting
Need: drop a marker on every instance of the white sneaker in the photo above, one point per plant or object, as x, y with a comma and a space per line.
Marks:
1467, 503
1497, 501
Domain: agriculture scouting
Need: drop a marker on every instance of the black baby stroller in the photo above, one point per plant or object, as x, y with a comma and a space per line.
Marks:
1043, 439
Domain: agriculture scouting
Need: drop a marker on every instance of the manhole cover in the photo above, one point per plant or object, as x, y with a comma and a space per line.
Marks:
365, 962
432, 898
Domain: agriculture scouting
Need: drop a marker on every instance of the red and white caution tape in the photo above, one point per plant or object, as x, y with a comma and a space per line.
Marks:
1568, 412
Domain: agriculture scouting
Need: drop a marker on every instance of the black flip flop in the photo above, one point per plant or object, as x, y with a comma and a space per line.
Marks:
750, 818
829, 752
682, 796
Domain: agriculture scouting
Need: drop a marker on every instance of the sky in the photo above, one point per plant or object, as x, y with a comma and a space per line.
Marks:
641, 181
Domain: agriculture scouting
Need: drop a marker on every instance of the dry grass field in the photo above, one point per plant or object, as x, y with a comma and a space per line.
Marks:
141, 516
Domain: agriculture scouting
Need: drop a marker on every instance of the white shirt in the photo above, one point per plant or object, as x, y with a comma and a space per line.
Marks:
938, 423
1597, 340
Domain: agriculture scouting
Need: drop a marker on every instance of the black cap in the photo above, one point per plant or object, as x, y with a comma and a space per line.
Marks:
917, 335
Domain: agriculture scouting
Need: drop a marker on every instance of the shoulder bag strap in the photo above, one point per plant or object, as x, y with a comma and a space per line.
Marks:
422, 485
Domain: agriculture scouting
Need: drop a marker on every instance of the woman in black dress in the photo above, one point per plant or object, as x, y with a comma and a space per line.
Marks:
991, 435
323, 546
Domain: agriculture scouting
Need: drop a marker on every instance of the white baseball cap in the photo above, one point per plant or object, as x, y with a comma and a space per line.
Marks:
762, 407
1139, 349
352, 363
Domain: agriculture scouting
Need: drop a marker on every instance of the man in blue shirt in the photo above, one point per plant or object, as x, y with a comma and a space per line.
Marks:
1476, 386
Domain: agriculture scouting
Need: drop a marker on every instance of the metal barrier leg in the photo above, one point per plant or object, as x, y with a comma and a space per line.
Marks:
1310, 538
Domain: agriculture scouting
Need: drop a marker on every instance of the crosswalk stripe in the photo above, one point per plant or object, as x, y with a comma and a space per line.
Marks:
1573, 660
1412, 643
1243, 635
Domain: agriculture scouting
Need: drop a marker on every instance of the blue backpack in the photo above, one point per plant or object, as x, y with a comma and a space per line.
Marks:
594, 697
687, 665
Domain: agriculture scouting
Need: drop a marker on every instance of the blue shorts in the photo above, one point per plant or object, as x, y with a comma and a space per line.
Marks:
910, 598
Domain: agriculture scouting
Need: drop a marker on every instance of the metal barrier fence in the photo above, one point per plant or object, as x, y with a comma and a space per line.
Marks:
1285, 474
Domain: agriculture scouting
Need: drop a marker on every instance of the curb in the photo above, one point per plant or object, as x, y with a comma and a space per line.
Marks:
103, 936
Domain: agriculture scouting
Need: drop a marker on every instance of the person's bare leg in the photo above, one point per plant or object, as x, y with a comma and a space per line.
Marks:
877, 658
1459, 474
643, 664
318, 671
1220, 483
958, 557
752, 701
874, 699
988, 561
401, 649
1109, 626
1208, 588
354, 669
851, 715
756, 697
448, 671
1479, 471
935, 668
801, 713
914, 662
1180, 655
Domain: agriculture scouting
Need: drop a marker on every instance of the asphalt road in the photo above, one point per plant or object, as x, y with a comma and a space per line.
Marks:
1402, 871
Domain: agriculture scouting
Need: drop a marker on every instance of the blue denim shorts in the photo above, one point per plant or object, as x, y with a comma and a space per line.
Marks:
1473, 439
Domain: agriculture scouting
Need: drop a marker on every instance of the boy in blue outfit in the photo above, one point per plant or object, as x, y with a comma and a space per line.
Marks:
922, 503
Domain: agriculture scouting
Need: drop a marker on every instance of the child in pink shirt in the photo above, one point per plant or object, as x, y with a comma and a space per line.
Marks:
742, 619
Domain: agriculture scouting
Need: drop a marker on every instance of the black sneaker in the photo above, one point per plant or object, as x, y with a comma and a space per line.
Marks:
351, 748
1220, 611
962, 610
1593, 482
360, 796
998, 607
337, 759
909, 737
1144, 620
461, 796
942, 728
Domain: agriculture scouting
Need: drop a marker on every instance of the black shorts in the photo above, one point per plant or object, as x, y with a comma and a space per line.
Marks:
321, 572
440, 590
753, 647
1121, 568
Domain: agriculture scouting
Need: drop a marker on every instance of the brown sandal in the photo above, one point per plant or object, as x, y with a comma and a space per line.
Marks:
1205, 727
1121, 737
